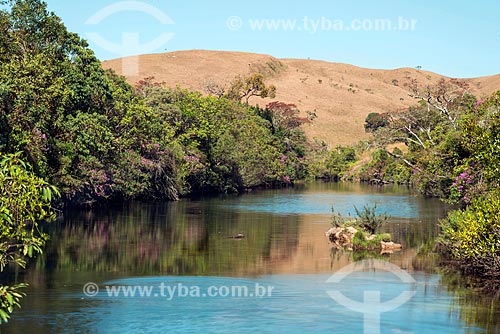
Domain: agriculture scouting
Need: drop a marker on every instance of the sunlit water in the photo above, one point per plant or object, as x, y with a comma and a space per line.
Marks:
186, 244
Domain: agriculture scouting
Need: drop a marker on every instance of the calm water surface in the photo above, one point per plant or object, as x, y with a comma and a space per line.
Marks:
186, 244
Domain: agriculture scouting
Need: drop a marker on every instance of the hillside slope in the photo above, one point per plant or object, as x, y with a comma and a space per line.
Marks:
341, 95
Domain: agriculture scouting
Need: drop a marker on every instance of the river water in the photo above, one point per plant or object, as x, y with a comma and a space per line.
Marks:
176, 268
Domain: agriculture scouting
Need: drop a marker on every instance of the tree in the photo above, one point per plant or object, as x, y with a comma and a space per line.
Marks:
432, 132
412, 126
374, 121
441, 96
338, 162
481, 138
471, 236
76, 123
428, 126
25, 201
213, 88
91, 134
284, 116
243, 88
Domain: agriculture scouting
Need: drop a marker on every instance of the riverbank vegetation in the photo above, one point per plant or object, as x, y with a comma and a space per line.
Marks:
25, 202
448, 147
95, 137
453, 153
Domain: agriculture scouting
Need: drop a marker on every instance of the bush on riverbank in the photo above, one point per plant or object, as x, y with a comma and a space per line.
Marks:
332, 165
452, 152
25, 201
471, 237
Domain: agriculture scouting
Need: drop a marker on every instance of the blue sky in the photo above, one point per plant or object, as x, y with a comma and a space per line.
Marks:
455, 38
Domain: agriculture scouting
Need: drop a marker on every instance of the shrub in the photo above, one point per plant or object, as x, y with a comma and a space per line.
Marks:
337, 219
386, 237
360, 241
369, 220
338, 162
25, 200
374, 121
472, 236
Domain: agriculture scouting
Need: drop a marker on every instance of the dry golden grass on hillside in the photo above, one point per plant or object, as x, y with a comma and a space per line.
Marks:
341, 95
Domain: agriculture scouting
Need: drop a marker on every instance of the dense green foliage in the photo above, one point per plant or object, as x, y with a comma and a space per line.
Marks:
360, 242
472, 236
481, 140
74, 122
453, 152
25, 200
95, 137
374, 121
333, 164
384, 168
226, 146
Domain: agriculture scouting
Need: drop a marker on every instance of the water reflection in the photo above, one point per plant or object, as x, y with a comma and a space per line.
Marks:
284, 236
184, 238
475, 308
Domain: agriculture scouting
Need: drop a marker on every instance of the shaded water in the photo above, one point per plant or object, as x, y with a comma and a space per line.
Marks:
186, 244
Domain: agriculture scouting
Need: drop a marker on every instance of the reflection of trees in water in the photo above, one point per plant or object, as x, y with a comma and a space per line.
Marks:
475, 308
183, 238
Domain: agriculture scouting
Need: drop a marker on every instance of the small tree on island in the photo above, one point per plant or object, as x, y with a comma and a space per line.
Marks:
369, 220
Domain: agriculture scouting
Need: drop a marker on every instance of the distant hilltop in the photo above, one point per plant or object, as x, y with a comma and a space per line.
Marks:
341, 95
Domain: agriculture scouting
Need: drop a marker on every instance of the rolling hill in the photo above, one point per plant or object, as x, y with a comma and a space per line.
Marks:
341, 95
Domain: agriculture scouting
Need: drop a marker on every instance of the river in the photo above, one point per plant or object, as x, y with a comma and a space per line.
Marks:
189, 275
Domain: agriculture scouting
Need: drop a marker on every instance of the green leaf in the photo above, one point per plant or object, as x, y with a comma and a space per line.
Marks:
4, 316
